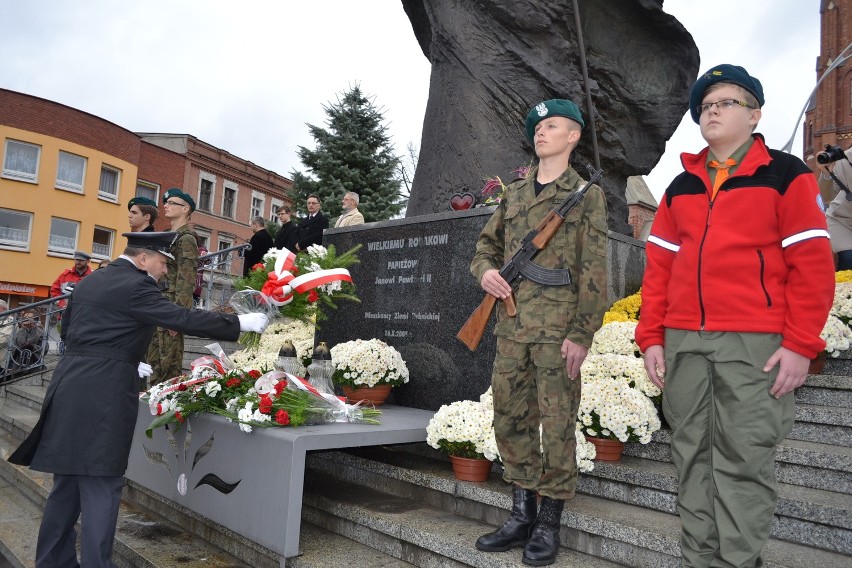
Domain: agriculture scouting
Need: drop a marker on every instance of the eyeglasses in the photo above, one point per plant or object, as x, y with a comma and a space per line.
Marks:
724, 104
170, 202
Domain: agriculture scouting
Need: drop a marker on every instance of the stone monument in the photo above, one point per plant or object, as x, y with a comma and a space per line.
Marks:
492, 61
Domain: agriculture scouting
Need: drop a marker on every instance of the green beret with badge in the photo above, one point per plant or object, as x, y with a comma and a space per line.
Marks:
141, 201
553, 107
724, 73
180, 194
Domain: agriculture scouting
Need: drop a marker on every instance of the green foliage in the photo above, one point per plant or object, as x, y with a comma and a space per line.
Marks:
460, 449
354, 153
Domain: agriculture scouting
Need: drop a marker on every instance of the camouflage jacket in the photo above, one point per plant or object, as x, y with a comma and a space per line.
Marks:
180, 280
550, 314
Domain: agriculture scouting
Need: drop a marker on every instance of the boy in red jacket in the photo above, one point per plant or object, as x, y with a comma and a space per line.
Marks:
738, 285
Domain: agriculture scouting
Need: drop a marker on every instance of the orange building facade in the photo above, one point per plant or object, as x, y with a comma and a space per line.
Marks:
67, 176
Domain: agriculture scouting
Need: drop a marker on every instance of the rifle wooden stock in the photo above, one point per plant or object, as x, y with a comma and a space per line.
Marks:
471, 332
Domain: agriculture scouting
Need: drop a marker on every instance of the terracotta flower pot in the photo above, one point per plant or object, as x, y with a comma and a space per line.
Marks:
467, 469
605, 449
375, 395
817, 364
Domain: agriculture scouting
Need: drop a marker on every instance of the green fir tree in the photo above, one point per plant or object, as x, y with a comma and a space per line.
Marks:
353, 153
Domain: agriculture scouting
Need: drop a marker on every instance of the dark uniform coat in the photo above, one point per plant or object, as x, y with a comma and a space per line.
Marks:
260, 243
286, 237
310, 231
89, 414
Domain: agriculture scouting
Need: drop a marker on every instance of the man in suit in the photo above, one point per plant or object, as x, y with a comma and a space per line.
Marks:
260, 243
85, 430
351, 215
311, 226
286, 236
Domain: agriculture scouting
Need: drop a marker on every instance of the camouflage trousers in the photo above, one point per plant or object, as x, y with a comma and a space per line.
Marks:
531, 387
165, 355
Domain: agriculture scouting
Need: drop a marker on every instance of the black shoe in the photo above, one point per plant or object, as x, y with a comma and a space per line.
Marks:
516, 530
543, 545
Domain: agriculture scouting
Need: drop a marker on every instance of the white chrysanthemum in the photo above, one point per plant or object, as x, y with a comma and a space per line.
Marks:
837, 336
464, 421
611, 407
617, 338
212, 388
369, 362
266, 354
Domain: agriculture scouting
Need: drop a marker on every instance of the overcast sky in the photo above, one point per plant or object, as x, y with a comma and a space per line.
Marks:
247, 76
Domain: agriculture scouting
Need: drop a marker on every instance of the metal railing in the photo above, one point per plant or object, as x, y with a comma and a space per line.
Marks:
215, 278
29, 335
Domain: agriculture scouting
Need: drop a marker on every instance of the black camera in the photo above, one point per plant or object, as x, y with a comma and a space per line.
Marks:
831, 154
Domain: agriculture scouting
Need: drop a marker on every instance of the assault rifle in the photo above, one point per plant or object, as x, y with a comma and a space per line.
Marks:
521, 265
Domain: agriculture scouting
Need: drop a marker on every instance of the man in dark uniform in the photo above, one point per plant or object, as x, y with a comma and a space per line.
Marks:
85, 430
260, 243
286, 236
311, 226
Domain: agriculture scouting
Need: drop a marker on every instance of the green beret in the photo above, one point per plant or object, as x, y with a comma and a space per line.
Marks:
141, 201
152, 240
180, 194
724, 73
553, 107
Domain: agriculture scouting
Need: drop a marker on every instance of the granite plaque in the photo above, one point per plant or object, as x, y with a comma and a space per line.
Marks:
416, 292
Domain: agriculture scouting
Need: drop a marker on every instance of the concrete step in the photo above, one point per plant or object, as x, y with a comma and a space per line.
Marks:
613, 532
31, 396
826, 390
823, 424
142, 540
806, 516
17, 419
409, 529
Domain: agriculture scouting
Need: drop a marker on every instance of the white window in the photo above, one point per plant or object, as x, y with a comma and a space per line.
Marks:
70, 172
15, 229
256, 205
203, 238
63, 236
273, 211
102, 241
148, 189
108, 188
20, 162
206, 191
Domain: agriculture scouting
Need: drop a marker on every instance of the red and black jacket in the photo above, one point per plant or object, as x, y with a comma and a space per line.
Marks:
755, 259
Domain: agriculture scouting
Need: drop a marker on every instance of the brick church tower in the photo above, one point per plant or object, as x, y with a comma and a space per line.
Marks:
828, 120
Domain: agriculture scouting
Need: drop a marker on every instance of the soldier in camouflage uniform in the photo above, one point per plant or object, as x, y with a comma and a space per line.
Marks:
539, 352
165, 355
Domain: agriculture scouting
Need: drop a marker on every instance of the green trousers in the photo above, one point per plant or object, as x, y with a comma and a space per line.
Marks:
165, 355
725, 428
531, 387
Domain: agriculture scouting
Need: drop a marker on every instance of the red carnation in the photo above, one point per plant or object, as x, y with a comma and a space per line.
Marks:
182, 387
258, 266
313, 296
282, 417
233, 382
280, 386
254, 374
178, 416
265, 405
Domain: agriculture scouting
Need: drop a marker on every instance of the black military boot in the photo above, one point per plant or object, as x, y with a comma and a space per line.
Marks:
543, 545
516, 530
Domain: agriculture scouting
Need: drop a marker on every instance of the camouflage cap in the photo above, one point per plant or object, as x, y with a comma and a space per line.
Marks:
553, 107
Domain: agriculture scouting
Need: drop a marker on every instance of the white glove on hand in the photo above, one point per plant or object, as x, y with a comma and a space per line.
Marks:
253, 322
144, 370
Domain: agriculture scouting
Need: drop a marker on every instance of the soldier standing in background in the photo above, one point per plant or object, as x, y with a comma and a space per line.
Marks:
165, 355
539, 352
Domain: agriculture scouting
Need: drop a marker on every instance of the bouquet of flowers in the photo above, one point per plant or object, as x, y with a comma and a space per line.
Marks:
299, 286
837, 336
249, 397
625, 309
492, 192
367, 363
265, 355
464, 429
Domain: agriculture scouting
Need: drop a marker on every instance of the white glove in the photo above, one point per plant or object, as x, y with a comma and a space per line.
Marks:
253, 322
144, 370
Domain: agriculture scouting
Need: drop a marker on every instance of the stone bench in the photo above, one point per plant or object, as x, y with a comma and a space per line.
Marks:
252, 483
